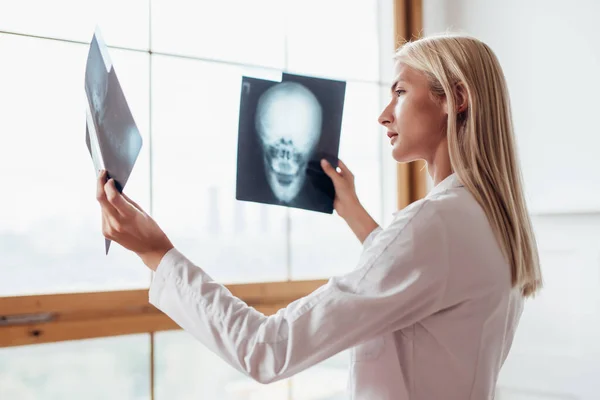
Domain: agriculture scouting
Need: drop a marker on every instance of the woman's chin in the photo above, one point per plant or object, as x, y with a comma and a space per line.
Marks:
401, 156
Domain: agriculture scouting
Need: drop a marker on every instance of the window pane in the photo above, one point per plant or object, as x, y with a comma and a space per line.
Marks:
234, 30
186, 369
325, 381
195, 120
123, 23
97, 369
50, 235
322, 244
334, 38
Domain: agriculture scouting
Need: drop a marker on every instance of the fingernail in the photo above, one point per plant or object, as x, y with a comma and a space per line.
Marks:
323, 161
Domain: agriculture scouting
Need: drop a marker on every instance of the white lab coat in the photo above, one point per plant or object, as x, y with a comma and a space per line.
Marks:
428, 311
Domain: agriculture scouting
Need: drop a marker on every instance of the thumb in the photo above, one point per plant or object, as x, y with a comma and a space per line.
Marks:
329, 170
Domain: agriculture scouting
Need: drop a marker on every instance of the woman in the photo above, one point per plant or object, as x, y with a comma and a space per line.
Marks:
431, 309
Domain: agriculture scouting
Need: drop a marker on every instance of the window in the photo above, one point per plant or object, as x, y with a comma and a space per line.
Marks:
124, 24
50, 237
180, 63
195, 119
115, 368
333, 248
334, 38
185, 369
234, 31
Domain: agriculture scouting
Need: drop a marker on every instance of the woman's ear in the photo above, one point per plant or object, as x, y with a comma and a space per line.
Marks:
461, 97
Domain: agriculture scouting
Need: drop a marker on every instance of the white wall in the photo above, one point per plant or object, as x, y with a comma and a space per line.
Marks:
550, 51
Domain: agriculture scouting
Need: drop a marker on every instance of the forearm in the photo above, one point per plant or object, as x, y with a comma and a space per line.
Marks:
267, 349
208, 311
360, 222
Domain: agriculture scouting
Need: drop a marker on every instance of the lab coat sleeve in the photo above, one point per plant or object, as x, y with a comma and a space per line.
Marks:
371, 237
399, 280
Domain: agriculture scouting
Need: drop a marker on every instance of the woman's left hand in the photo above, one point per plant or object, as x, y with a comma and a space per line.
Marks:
124, 222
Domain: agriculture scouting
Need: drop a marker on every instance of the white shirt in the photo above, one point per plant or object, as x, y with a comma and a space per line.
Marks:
428, 311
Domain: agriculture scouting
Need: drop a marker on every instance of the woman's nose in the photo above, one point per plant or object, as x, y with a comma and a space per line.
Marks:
385, 118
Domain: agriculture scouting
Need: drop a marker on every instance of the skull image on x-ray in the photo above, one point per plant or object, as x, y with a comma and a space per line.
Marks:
288, 123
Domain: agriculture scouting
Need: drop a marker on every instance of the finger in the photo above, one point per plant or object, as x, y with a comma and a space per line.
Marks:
105, 226
107, 208
107, 231
111, 227
117, 201
345, 170
329, 170
109, 212
100, 182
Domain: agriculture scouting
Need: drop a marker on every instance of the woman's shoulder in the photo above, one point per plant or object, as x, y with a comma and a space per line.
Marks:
457, 199
451, 210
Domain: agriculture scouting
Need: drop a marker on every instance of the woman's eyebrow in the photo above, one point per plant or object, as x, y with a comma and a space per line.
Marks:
396, 82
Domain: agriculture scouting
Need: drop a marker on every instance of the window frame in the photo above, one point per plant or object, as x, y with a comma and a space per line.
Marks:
51, 318
411, 177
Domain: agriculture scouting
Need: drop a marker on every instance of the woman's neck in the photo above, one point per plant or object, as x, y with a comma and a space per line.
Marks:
439, 166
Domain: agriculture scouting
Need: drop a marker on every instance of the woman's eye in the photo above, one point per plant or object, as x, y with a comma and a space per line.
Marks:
399, 92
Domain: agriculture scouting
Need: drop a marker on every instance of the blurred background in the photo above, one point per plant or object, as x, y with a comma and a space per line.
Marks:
180, 63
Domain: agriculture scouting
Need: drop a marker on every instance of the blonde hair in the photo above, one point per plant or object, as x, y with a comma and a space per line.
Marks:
481, 141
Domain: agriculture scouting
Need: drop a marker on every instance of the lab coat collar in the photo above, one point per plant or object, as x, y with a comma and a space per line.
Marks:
451, 181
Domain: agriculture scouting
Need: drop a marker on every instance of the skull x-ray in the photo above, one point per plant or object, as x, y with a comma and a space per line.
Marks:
285, 128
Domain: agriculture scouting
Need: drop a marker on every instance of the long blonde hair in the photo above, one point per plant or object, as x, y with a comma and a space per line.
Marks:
481, 141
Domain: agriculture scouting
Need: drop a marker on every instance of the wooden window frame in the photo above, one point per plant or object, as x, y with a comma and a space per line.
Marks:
408, 25
26, 320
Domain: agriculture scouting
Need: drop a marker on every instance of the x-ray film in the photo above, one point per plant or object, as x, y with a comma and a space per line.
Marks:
112, 136
285, 128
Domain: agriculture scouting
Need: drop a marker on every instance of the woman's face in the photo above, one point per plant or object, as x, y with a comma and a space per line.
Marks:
414, 119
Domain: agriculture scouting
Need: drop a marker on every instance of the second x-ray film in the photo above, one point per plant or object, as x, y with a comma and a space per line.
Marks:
112, 136
285, 128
